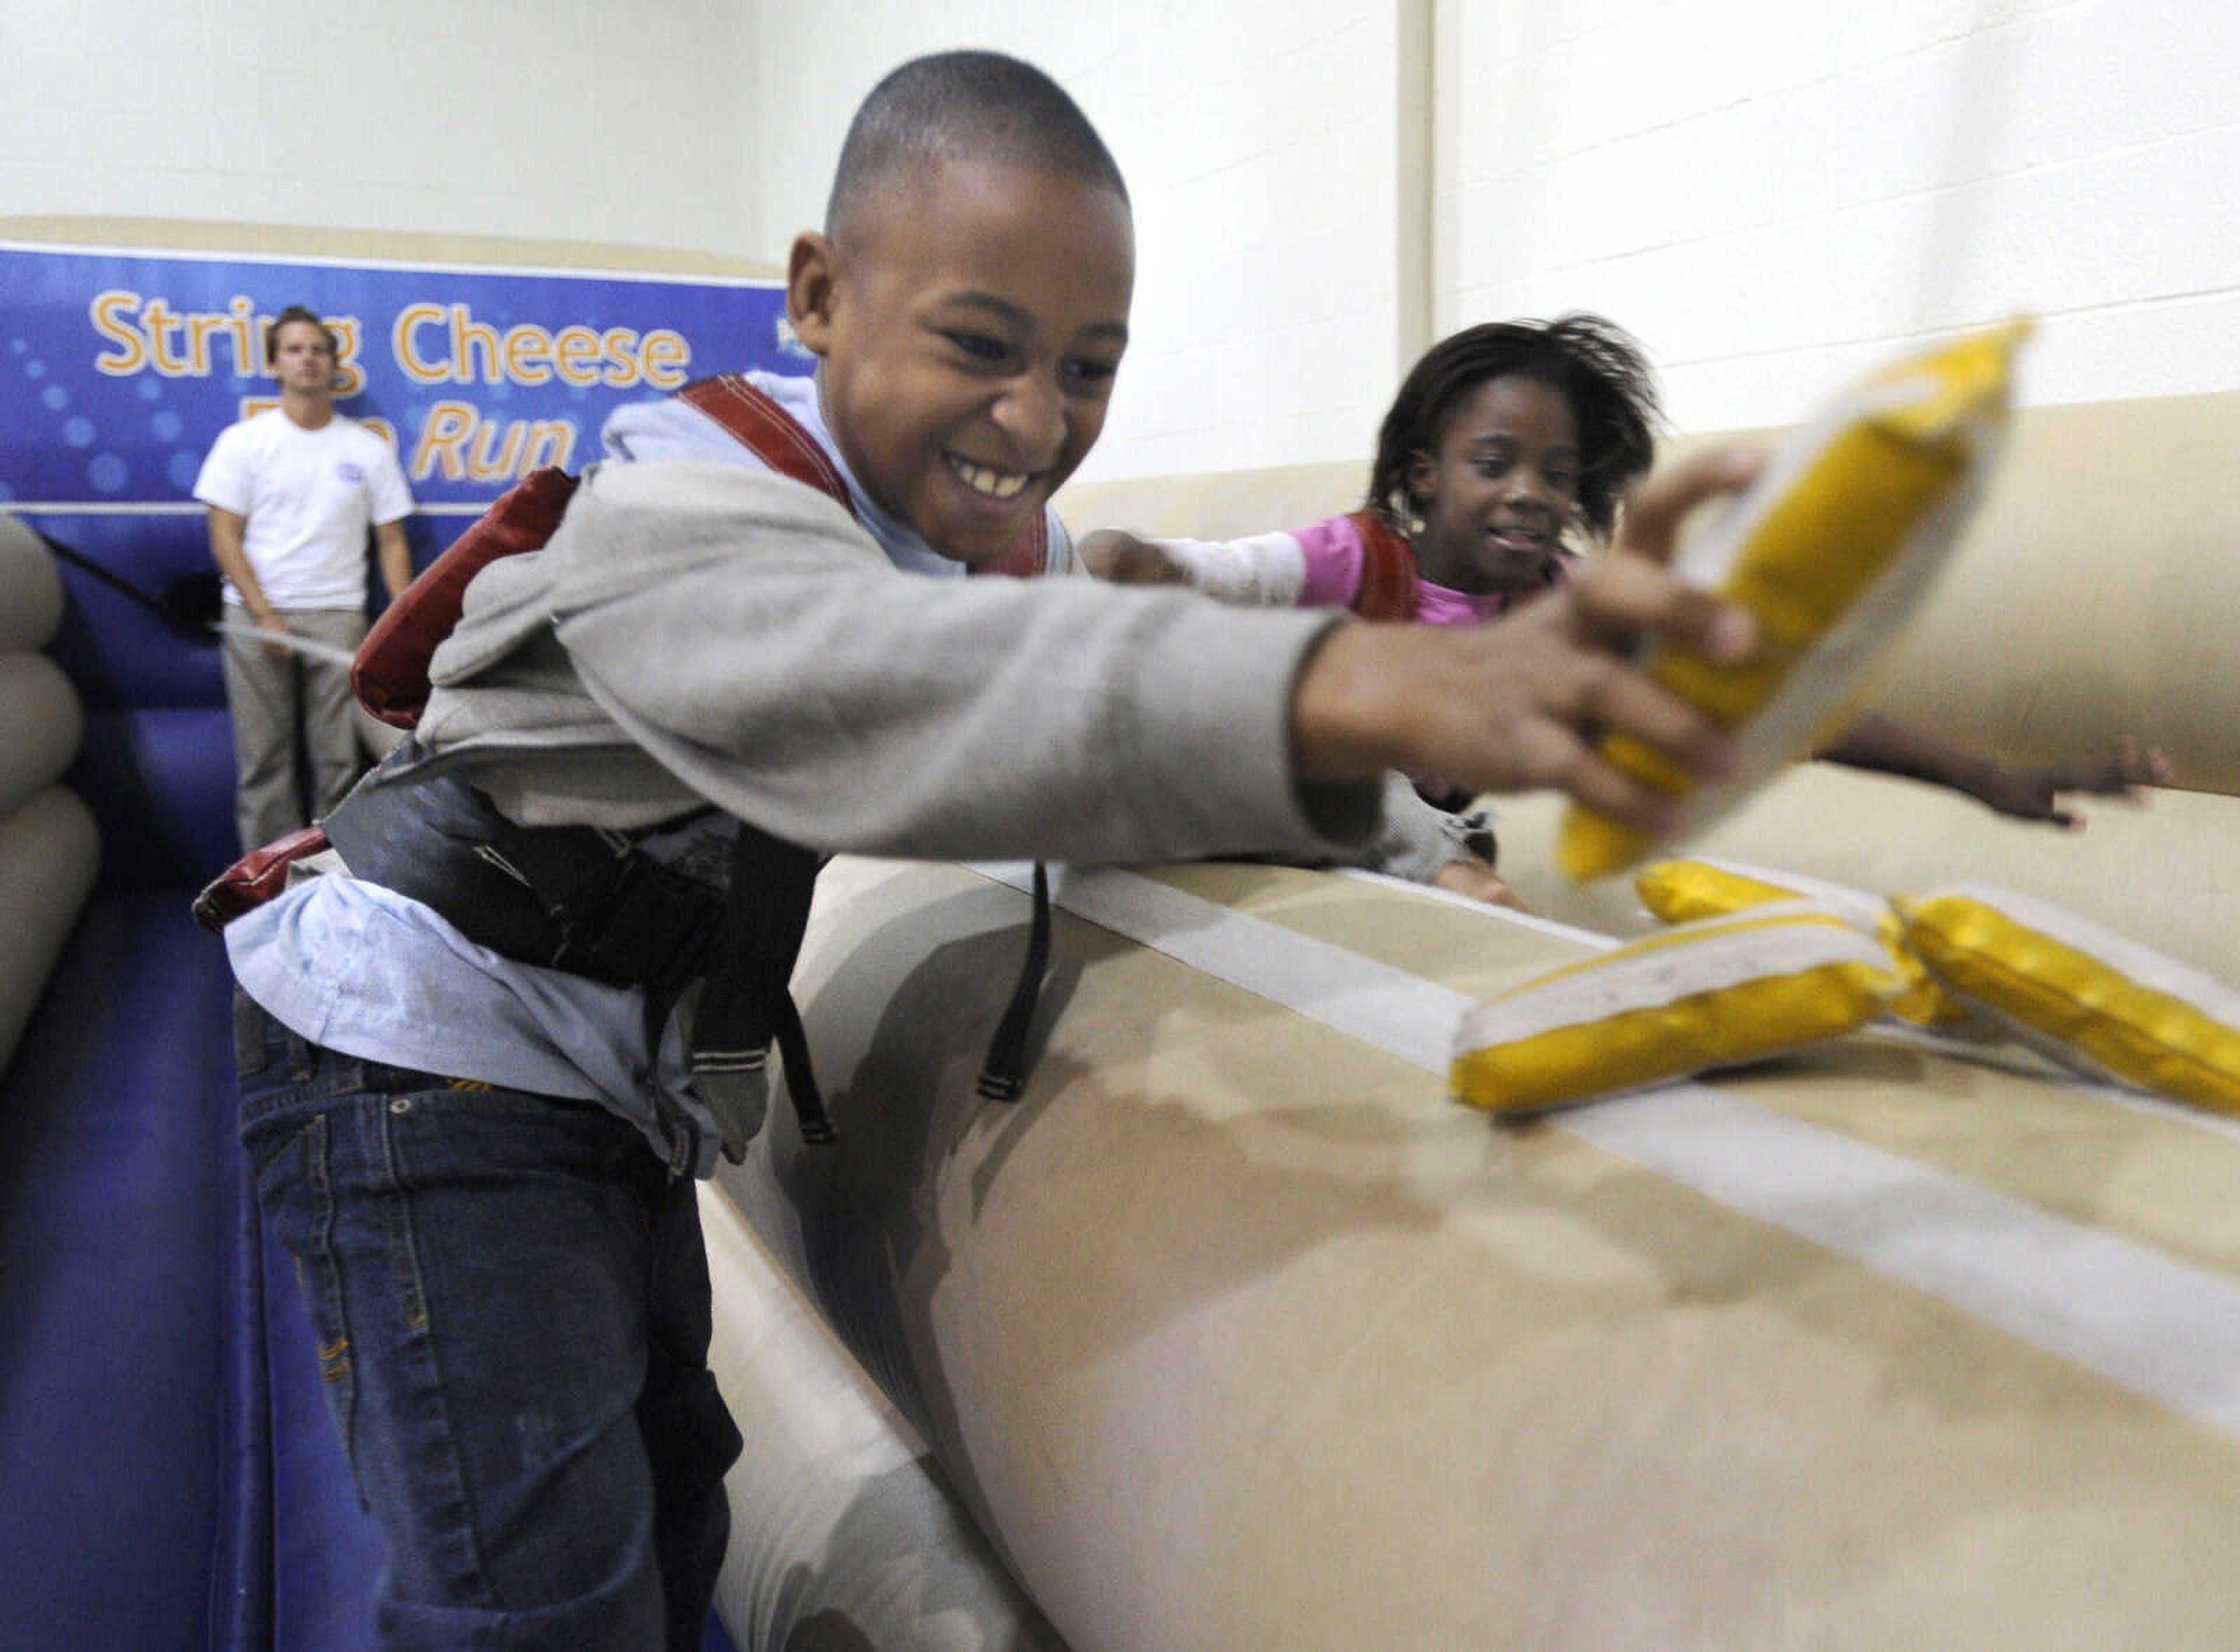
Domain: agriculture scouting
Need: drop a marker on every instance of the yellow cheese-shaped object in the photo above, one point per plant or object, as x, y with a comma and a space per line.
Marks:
2093, 1000
1710, 994
1680, 891
1831, 550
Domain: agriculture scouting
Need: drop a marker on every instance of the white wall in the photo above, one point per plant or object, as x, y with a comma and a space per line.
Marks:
1261, 141
1772, 193
1258, 139
1775, 193
574, 120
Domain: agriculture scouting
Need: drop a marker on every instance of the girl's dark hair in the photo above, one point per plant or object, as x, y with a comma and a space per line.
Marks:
1595, 364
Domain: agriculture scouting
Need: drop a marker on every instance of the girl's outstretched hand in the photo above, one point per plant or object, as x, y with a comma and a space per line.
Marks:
1114, 554
2035, 794
1479, 882
1886, 746
1520, 703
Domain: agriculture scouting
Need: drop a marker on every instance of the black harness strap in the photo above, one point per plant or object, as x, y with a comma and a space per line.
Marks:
744, 998
592, 901
613, 914
1004, 1073
620, 913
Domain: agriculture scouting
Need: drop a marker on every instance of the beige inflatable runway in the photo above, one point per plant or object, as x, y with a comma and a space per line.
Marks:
1236, 1333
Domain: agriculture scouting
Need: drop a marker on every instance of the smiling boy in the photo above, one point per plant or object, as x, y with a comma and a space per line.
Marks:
481, 1161
970, 316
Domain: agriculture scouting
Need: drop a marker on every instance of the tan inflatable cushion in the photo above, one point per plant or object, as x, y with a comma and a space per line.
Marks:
1237, 1333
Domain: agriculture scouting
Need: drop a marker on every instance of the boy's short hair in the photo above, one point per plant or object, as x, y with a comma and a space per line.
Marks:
298, 312
962, 105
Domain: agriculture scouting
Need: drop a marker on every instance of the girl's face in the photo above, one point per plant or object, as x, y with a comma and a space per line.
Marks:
1503, 488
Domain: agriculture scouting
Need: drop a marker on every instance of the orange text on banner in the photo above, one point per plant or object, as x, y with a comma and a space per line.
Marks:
444, 344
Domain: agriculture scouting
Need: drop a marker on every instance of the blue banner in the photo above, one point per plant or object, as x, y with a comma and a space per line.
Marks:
120, 367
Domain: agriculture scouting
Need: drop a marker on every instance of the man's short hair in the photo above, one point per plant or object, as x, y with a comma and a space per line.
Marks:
962, 105
298, 312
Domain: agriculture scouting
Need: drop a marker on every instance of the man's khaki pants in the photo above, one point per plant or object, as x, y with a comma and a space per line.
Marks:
271, 699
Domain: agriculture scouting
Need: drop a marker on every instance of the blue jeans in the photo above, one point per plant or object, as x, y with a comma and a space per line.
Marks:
511, 1300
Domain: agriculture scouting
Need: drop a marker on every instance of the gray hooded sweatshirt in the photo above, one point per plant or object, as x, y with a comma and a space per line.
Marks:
699, 633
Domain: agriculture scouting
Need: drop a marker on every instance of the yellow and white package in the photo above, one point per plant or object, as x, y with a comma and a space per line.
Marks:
1679, 892
2088, 998
1831, 549
1713, 993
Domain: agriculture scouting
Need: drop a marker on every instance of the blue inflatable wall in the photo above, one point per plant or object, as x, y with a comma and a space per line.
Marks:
169, 1476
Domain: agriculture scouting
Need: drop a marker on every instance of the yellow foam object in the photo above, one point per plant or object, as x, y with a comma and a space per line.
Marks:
2090, 998
1831, 550
1679, 891
1708, 993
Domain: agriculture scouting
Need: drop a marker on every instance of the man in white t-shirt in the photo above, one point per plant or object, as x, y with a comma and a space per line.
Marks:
291, 492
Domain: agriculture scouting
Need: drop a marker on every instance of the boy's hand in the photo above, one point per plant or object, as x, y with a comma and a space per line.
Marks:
1520, 703
1110, 554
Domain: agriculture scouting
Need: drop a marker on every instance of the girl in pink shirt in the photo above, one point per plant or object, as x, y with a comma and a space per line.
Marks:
1509, 445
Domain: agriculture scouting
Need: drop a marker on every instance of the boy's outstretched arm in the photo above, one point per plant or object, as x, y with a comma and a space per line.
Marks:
1521, 703
757, 652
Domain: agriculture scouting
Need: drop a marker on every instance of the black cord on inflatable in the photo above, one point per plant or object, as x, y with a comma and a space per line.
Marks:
186, 605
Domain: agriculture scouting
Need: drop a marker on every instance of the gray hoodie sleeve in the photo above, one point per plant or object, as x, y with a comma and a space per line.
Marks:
748, 636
